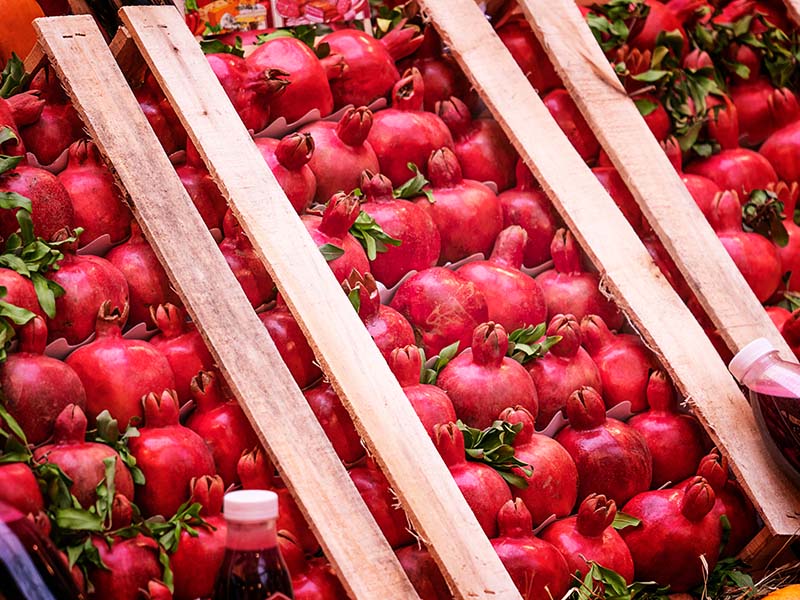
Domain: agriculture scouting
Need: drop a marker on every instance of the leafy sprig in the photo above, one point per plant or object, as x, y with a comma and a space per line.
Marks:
611, 23
429, 375
530, 343
216, 46
763, 214
108, 433
305, 33
331, 251
10, 315
414, 187
601, 583
493, 447
371, 235
13, 79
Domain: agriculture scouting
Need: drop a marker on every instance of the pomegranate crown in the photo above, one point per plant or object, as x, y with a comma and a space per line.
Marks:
362, 290
376, 187
295, 150
522, 416
585, 409
726, 212
661, 393
33, 336
509, 247
698, 499
455, 115
340, 214
514, 520
595, 515
409, 92
595, 333
70, 425
161, 410
444, 170
353, 128
170, 319
569, 330
449, 440
489, 344
255, 470
206, 390
713, 468
406, 364
565, 253
83, 152
208, 492
111, 319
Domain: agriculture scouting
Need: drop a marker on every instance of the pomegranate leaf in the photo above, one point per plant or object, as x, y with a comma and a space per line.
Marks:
790, 301
108, 433
219, 47
187, 518
415, 186
355, 298
371, 235
622, 520
529, 343
166, 576
429, 375
305, 33
728, 577
645, 106
611, 23
601, 582
13, 200
763, 214
14, 434
493, 447
331, 252
10, 315
13, 78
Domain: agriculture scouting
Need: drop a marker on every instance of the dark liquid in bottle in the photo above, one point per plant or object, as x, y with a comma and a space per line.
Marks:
253, 575
779, 420
30, 567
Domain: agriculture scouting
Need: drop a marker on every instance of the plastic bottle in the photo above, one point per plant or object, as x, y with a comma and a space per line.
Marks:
30, 566
253, 568
774, 386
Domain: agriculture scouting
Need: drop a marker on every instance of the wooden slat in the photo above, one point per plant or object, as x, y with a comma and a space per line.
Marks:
239, 342
640, 290
127, 55
347, 354
793, 9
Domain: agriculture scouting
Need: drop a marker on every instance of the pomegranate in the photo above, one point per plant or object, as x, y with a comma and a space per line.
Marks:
20, 291
82, 461
56, 129
130, 564
612, 458
160, 115
589, 536
19, 489
756, 256
332, 229
536, 566
528, 206
370, 71
780, 150
219, 420
341, 152
790, 253
148, 284
702, 189
677, 528
98, 204
405, 133
117, 372
182, 345
156, 590
198, 558
312, 579
432, 405
616, 188
18, 110
763, 109
51, 207
623, 361
169, 454
564, 369
380, 500
202, 189
553, 484
514, 299
517, 36
441, 306
36, 387
424, 574
571, 121
292, 344
676, 441
741, 170
88, 281
662, 18
722, 121
308, 87
483, 488
466, 212
288, 159
248, 269
336, 422
568, 289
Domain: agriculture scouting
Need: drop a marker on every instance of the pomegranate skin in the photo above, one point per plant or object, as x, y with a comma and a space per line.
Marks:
677, 528
536, 566
788, 193
204, 192
19, 489
442, 307
312, 579
514, 299
739, 169
58, 126
424, 574
20, 292
131, 563
288, 159
782, 149
568, 289
170, 456
51, 208
762, 109
82, 461
247, 268
483, 488
116, 372
612, 458
660, 18
336, 422
518, 37
36, 387
616, 188
374, 489
553, 485
27, 108
160, 114
292, 345
571, 121
467, 213
98, 204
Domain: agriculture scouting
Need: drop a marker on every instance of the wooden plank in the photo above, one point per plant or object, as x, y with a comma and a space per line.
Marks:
239, 342
35, 59
793, 9
766, 550
347, 354
629, 274
128, 57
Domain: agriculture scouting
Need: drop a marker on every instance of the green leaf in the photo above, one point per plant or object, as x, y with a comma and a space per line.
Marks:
529, 343
371, 236
415, 186
166, 576
355, 298
78, 519
493, 446
763, 214
12, 200
219, 47
46, 293
11, 423
622, 520
13, 79
645, 106
651, 76
331, 252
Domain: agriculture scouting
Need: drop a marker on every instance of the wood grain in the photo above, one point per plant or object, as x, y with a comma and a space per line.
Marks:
793, 9
128, 57
239, 342
627, 270
384, 418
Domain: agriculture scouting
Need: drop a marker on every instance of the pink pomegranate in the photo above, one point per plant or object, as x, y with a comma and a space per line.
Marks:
483, 488
380, 500
36, 387
612, 458
661, 18
82, 461
182, 345
677, 528
198, 558
763, 109
248, 269
341, 152
527, 205
98, 204
536, 566
517, 36
405, 133
790, 253
553, 484
288, 159
569, 289
467, 213
441, 306
332, 228
571, 121
307, 88
622, 360
292, 344
676, 441
336, 422
514, 298
117, 372
156, 590
432, 405
19, 489
51, 207
722, 122
148, 284
589, 536
564, 369
312, 579
781, 150
741, 170
56, 129
616, 188
370, 71
160, 115
756, 256
88, 281
20, 291
130, 565
169, 454
702, 189
424, 574
202, 189
18, 110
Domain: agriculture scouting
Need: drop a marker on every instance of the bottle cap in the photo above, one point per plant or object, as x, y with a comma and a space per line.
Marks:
748, 355
250, 505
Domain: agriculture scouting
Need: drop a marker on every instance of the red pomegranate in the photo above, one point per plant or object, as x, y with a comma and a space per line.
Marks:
780, 149
51, 208
130, 565
424, 574
18, 110
248, 269
202, 189
571, 121
312, 579
763, 109
622, 197
702, 189
517, 36
336, 422
740, 170
20, 291
57, 127
19, 489
288, 159
159, 113
382, 504
292, 344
